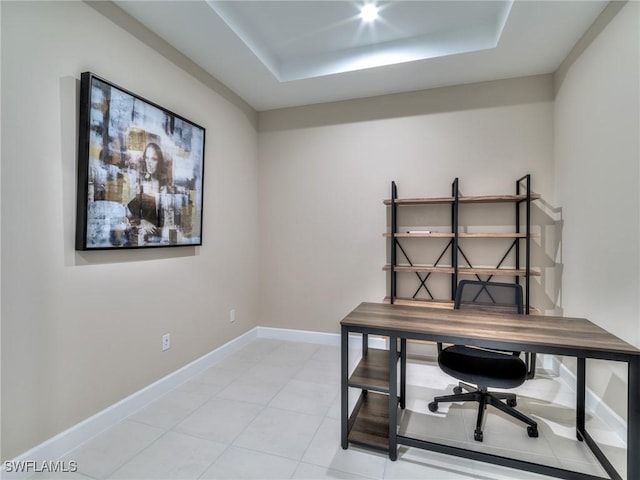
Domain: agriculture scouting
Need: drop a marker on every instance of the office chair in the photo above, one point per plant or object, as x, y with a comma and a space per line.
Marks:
484, 367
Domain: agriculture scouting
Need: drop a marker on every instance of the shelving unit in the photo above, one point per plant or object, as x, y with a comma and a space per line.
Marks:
458, 262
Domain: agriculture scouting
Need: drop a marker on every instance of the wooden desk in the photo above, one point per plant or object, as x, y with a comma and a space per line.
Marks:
574, 337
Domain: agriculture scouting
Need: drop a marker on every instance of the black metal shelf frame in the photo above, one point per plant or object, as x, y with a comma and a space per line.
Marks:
453, 246
523, 184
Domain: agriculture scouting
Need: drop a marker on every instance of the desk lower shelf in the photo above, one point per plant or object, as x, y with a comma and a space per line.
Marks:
372, 373
369, 422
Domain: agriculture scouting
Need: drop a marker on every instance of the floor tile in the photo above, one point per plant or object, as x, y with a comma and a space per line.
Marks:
234, 363
291, 353
306, 471
172, 456
251, 389
496, 472
107, 452
563, 442
277, 374
305, 397
170, 409
258, 349
279, 432
325, 451
417, 420
321, 372
334, 409
503, 432
219, 377
327, 353
418, 464
60, 476
239, 463
219, 419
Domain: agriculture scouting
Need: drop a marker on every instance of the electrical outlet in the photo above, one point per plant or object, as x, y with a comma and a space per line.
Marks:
166, 342
232, 315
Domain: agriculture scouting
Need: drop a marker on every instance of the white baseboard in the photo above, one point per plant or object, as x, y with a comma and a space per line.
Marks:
319, 338
302, 336
61, 444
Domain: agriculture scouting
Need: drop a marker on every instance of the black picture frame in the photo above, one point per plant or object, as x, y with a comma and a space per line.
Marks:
140, 172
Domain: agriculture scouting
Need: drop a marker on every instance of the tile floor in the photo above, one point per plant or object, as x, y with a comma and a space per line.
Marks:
271, 411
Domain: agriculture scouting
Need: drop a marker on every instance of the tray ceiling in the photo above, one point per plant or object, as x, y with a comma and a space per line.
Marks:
277, 54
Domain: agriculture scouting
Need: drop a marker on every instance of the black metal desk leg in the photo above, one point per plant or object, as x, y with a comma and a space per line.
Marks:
344, 389
403, 373
393, 397
580, 397
633, 419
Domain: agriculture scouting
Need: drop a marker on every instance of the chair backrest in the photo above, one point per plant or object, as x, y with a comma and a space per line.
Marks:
490, 296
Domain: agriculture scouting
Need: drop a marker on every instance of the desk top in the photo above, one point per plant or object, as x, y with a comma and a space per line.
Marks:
538, 333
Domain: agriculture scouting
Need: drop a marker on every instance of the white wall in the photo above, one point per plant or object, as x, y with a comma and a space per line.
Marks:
325, 170
597, 158
81, 331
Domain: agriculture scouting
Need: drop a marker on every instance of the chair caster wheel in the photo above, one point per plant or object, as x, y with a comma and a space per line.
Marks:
457, 390
477, 435
433, 407
512, 402
532, 431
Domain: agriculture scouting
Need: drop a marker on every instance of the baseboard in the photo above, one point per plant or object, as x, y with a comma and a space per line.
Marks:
61, 444
320, 338
303, 336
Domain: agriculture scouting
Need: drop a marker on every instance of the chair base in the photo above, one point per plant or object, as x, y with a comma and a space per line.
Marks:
484, 398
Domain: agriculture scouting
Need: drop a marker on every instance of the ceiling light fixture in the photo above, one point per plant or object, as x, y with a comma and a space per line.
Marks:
369, 12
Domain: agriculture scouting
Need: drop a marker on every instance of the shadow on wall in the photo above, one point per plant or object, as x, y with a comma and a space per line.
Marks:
546, 255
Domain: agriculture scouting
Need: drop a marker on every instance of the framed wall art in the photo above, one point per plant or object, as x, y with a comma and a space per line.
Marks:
140, 172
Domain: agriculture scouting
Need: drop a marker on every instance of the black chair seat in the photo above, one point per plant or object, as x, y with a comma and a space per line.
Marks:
483, 367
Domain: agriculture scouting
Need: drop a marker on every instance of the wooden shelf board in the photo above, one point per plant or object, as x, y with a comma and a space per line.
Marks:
463, 235
420, 302
462, 270
419, 268
496, 198
421, 235
373, 371
421, 201
498, 235
424, 302
462, 199
371, 424
496, 271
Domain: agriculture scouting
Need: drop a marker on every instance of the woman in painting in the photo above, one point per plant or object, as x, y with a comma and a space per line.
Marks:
145, 207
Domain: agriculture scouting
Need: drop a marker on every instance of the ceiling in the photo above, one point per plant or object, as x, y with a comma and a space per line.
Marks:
276, 54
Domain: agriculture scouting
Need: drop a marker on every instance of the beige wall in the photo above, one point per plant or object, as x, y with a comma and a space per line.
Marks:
81, 331
325, 170
597, 158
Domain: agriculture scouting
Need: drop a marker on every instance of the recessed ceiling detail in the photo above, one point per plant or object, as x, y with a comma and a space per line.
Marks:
277, 54
282, 36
